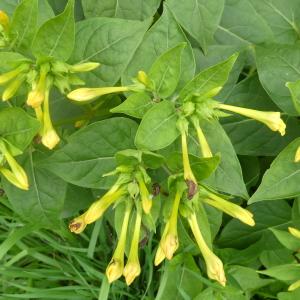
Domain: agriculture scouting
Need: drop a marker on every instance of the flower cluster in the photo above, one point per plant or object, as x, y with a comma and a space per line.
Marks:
131, 187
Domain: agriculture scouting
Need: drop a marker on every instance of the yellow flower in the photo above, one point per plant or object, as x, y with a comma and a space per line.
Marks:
37, 95
159, 256
4, 20
294, 286
269, 118
205, 149
84, 67
295, 232
133, 268
230, 208
214, 265
12, 178
78, 224
87, 94
145, 195
49, 136
297, 155
116, 266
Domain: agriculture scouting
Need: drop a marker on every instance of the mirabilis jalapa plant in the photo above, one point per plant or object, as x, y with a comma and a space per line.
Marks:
184, 109
190, 106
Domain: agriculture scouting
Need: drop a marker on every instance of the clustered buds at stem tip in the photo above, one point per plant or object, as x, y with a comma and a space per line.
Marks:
87, 94
269, 118
214, 265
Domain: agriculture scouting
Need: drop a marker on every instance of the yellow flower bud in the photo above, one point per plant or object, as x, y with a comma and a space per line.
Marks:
231, 209
205, 149
84, 67
49, 136
143, 78
294, 231
294, 286
269, 118
87, 94
131, 271
214, 265
116, 266
145, 195
159, 256
12, 88
12, 178
6, 77
297, 155
4, 20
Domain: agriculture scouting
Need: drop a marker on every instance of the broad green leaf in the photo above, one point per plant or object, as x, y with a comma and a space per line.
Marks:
208, 79
43, 202
180, 276
283, 19
287, 239
247, 278
277, 65
283, 272
276, 256
23, 24
17, 127
165, 72
136, 105
90, 152
289, 295
125, 9
267, 215
8, 6
163, 35
251, 170
199, 18
55, 38
10, 60
228, 176
111, 42
248, 136
242, 25
282, 179
158, 127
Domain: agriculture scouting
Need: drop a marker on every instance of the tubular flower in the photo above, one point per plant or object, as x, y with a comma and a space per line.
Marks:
4, 20
159, 256
16, 175
169, 241
145, 195
205, 149
133, 268
115, 268
78, 224
294, 286
13, 87
230, 208
49, 136
214, 265
87, 94
84, 67
37, 95
269, 118
8, 76
297, 155
188, 174
295, 232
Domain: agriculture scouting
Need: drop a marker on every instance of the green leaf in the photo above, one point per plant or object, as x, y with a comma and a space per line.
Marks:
125, 9
90, 153
163, 35
136, 105
277, 65
286, 239
165, 72
289, 295
242, 25
248, 136
158, 127
266, 215
23, 24
55, 38
282, 179
208, 79
17, 127
282, 19
43, 202
283, 272
111, 42
228, 176
199, 18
